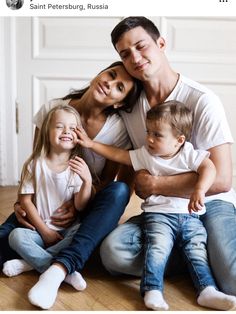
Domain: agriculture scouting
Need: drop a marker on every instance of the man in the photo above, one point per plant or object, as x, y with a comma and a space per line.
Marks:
142, 50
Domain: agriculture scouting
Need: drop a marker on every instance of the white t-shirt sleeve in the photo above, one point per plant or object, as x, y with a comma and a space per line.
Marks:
119, 134
28, 186
210, 124
194, 157
139, 157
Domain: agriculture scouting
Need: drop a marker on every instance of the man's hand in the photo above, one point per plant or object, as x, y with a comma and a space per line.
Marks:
21, 216
65, 215
144, 184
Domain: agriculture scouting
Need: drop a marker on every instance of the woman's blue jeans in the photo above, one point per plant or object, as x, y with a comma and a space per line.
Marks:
6, 253
161, 231
101, 217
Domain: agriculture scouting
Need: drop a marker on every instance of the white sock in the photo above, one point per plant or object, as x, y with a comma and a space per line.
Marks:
15, 267
76, 280
210, 297
44, 293
154, 300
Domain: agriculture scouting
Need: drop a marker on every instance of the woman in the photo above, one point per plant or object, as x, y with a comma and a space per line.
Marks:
97, 105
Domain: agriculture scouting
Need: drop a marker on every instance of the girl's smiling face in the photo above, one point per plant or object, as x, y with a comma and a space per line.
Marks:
61, 131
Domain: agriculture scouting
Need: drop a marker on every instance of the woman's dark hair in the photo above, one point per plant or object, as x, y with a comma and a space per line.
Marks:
129, 101
131, 22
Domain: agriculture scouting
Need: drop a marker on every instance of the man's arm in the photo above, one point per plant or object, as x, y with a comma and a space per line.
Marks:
182, 185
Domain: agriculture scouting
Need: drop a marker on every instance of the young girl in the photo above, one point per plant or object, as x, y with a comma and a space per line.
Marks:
169, 220
52, 175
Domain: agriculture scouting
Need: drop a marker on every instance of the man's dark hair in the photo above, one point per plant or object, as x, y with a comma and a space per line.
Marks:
131, 22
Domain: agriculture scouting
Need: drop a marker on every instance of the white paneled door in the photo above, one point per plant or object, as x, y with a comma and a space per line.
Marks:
55, 55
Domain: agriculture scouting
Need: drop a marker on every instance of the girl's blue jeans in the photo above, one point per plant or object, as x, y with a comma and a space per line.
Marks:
100, 218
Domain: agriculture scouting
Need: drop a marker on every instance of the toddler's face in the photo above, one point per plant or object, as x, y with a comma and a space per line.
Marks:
160, 139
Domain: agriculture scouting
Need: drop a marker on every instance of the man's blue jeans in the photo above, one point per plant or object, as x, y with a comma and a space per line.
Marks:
161, 231
122, 250
101, 217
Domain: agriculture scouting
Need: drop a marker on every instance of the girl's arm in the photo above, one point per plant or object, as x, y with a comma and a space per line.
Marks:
49, 236
82, 197
110, 152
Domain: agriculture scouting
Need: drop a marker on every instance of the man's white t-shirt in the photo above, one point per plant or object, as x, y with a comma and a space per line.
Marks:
113, 133
210, 126
186, 160
51, 189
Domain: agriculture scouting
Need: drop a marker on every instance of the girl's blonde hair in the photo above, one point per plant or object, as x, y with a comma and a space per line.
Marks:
42, 144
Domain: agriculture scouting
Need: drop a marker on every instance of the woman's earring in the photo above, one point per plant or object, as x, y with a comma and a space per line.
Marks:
116, 106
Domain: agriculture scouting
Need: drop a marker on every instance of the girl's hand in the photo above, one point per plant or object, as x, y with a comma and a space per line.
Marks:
83, 138
196, 202
79, 166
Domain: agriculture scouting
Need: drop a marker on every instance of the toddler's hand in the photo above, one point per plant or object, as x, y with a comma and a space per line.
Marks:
196, 201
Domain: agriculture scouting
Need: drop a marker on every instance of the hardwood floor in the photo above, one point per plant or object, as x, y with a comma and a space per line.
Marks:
104, 292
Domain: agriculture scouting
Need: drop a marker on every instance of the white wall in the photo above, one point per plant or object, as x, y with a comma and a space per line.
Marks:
55, 54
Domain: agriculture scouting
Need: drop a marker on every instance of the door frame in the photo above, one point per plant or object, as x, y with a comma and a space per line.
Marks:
8, 96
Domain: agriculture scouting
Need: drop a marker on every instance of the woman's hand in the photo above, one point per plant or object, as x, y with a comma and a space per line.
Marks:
21, 216
83, 138
65, 215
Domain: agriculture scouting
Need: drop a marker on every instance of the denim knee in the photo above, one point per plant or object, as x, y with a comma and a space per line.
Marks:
122, 190
15, 237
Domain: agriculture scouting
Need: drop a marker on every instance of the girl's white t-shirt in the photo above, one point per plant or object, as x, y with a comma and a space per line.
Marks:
51, 189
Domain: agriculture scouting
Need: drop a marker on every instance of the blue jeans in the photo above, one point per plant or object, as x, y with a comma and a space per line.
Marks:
122, 250
30, 246
101, 217
6, 253
161, 231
